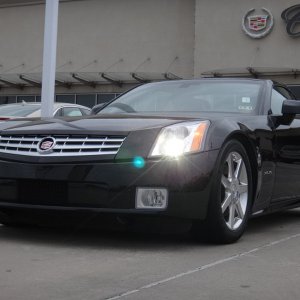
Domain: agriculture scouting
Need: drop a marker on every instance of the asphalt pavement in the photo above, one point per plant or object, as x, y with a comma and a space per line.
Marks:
71, 264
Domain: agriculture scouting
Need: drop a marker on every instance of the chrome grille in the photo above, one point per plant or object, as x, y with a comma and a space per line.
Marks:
65, 145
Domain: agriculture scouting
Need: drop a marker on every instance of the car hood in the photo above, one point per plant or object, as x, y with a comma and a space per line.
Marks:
139, 132
113, 124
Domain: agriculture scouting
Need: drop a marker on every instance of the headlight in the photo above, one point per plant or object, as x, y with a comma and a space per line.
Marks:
179, 139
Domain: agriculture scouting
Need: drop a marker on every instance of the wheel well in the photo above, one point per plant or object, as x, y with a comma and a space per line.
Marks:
251, 151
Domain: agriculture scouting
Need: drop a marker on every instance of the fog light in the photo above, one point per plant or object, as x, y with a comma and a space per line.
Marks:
151, 198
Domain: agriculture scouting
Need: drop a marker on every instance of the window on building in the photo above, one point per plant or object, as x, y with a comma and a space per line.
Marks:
7, 99
65, 98
26, 98
86, 100
103, 98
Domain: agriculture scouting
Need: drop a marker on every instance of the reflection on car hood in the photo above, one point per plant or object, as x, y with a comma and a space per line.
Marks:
99, 123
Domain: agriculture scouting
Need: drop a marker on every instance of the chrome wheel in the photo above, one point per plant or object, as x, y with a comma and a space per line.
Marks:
234, 190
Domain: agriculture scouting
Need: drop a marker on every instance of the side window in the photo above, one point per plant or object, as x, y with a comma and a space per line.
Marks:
71, 112
284, 92
58, 113
276, 102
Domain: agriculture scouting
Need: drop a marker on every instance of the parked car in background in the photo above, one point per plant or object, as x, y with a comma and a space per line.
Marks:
33, 109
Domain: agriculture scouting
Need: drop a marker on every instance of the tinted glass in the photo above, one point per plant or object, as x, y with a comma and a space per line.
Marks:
296, 90
18, 110
192, 96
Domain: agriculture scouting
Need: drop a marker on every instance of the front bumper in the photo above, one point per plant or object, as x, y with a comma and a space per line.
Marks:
109, 186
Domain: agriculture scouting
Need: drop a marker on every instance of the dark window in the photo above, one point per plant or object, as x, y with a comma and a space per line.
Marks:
103, 98
26, 98
86, 100
38, 98
7, 99
295, 90
65, 98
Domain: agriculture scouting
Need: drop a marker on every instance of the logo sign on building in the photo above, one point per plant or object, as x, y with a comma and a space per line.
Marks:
257, 26
291, 16
258, 23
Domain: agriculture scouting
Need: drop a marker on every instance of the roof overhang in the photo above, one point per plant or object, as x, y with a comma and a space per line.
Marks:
92, 79
253, 72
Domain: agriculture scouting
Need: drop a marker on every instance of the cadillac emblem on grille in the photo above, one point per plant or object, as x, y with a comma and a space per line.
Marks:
46, 145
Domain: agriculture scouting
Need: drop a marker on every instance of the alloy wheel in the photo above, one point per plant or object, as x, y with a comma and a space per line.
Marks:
234, 190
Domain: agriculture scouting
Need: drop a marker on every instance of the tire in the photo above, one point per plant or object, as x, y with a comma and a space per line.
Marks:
7, 220
10, 220
231, 197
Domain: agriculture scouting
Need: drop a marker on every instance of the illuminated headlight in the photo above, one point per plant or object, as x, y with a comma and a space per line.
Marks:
151, 198
178, 139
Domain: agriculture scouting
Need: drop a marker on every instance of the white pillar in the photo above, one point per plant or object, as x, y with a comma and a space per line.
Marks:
49, 57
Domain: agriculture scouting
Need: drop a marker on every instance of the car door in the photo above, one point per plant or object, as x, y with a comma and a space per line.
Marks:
287, 151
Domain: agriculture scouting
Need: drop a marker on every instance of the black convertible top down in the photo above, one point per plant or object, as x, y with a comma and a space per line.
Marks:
212, 151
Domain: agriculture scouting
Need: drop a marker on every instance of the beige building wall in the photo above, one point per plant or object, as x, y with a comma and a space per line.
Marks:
184, 37
220, 42
154, 36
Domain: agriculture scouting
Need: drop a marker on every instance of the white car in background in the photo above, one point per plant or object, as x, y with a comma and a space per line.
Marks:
33, 110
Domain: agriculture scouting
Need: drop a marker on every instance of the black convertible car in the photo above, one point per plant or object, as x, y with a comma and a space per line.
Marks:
211, 151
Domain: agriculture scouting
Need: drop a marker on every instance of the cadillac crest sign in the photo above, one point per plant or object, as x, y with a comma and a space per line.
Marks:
257, 26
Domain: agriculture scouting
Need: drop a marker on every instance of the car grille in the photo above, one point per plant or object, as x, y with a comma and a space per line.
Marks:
65, 145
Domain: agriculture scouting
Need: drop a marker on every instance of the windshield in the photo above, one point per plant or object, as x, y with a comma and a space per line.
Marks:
16, 110
189, 96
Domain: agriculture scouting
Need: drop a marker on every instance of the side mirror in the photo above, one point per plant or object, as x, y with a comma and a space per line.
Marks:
290, 107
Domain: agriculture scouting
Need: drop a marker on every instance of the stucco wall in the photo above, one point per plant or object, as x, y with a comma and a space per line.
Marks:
120, 35
96, 34
221, 43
